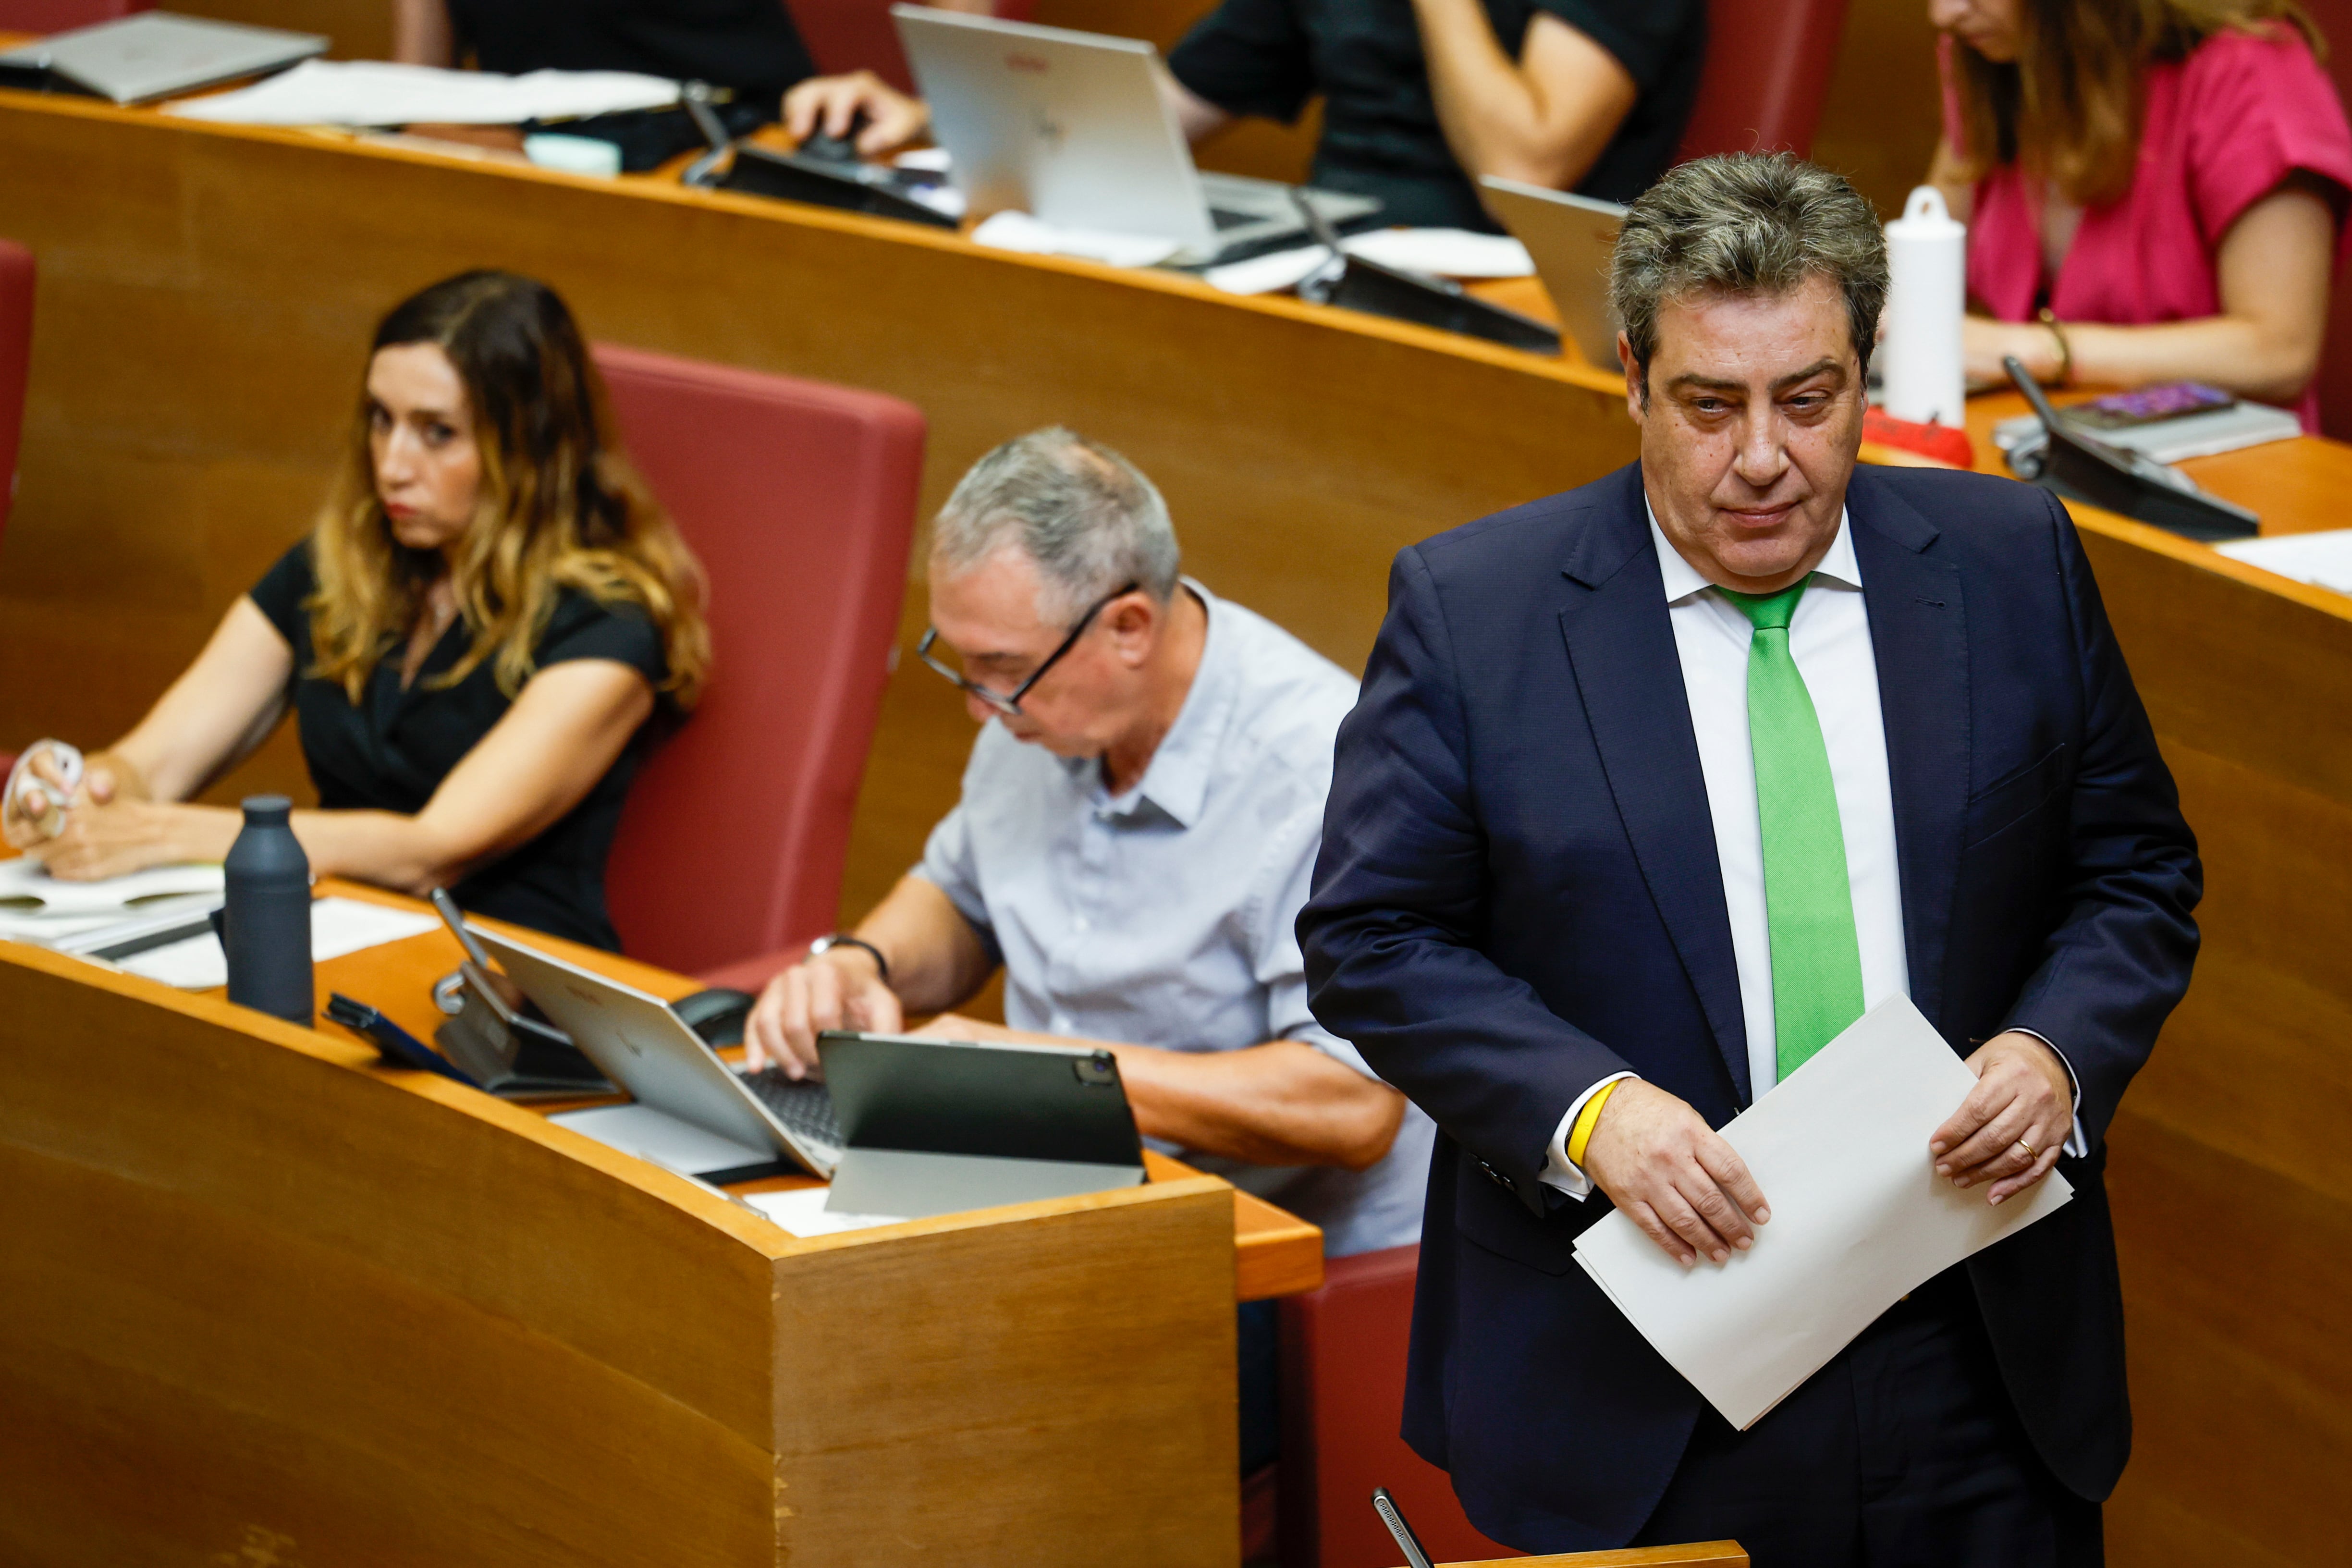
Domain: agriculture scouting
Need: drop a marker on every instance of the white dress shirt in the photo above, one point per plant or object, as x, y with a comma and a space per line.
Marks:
1828, 638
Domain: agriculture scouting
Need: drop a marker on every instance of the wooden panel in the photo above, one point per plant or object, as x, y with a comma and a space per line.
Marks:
265, 1295
249, 1286
1098, 1350
1880, 120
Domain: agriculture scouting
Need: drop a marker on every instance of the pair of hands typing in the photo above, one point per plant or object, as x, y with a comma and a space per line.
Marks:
1676, 1178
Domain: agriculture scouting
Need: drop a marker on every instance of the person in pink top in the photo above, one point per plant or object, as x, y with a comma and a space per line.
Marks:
2155, 190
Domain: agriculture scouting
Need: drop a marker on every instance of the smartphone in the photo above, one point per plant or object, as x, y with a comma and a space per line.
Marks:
2148, 406
392, 1042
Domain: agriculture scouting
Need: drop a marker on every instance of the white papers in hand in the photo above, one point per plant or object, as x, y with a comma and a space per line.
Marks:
377, 92
802, 1211
338, 926
1860, 1219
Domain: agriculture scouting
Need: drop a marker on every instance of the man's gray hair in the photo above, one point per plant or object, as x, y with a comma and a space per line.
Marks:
1083, 515
1745, 223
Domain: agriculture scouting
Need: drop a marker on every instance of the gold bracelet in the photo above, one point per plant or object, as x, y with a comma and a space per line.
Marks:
2049, 318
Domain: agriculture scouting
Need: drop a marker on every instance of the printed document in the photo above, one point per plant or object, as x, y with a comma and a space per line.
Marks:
1860, 1219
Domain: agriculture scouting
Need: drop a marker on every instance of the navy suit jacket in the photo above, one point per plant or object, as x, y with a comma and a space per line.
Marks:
1518, 894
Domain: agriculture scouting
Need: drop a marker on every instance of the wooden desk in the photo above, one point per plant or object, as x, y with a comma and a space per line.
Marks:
264, 1293
1275, 1253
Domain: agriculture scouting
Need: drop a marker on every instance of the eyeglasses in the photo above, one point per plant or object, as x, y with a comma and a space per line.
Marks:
998, 699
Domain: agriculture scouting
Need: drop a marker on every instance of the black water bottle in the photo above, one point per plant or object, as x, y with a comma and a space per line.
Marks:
266, 918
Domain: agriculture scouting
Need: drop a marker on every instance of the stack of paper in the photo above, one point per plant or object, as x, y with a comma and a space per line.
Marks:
375, 92
338, 926
2324, 560
39, 907
802, 1211
1860, 1219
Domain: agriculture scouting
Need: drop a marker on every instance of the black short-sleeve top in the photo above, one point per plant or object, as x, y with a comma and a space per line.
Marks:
390, 751
1380, 135
748, 44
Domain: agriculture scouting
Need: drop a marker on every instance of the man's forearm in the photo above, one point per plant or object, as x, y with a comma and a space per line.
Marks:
1280, 1103
937, 959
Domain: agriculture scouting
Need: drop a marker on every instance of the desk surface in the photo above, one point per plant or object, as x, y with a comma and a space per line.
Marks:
1275, 1253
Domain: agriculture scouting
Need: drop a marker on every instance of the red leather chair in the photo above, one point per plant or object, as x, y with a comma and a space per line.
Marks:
58, 16
1343, 1350
800, 500
1768, 71
857, 35
16, 362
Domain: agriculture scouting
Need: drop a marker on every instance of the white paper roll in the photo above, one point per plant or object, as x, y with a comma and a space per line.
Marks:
1927, 260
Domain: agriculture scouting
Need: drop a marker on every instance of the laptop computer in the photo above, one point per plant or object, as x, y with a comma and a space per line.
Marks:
689, 1111
1072, 129
900, 1125
156, 54
1569, 239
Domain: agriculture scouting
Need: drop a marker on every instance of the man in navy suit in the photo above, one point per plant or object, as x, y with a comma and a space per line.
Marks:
1655, 787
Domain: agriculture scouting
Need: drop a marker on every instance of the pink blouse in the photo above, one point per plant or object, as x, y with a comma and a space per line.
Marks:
2222, 128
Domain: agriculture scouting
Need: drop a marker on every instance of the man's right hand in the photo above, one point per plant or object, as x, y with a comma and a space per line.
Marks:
833, 104
841, 988
1673, 1175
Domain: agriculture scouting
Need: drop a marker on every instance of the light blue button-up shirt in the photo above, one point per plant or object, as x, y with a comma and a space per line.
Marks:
1167, 916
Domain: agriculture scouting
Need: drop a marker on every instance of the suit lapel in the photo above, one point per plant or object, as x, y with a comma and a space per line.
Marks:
1918, 635
1620, 647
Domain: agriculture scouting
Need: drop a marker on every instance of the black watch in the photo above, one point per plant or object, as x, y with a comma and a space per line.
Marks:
843, 939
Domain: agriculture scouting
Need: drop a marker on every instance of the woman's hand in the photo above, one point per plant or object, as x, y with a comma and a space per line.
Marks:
46, 782
115, 838
1984, 340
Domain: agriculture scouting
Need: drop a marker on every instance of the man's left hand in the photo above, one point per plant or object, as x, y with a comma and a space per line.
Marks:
2014, 1123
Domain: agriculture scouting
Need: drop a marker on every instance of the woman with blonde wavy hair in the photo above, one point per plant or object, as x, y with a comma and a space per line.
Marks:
475, 640
2155, 190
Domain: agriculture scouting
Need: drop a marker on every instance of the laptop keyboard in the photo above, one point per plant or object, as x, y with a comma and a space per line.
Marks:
805, 1108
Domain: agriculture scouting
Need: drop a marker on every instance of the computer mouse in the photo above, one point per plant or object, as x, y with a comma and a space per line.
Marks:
828, 149
716, 1014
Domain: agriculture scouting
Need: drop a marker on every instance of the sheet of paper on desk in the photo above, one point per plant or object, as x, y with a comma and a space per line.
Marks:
338, 926
1860, 1219
377, 92
36, 907
802, 1211
2324, 559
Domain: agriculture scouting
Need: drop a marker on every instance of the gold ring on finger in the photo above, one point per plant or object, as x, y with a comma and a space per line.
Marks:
2029, 1154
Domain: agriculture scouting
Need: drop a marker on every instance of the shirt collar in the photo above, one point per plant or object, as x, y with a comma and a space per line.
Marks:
1683, 581
1176, 780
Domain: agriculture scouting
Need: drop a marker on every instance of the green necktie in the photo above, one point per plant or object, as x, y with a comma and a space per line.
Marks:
1807, 902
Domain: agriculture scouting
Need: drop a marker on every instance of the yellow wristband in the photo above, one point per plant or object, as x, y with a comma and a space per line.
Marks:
1586, 1120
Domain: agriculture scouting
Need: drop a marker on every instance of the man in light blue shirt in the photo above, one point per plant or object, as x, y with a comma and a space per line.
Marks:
1137, 832
1135, 837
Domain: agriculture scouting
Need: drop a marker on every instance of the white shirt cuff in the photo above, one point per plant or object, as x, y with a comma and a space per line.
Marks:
2077, 1145
1559, 1170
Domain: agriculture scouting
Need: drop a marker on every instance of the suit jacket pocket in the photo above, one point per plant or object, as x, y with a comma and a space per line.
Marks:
2011, 800
1492, 1218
